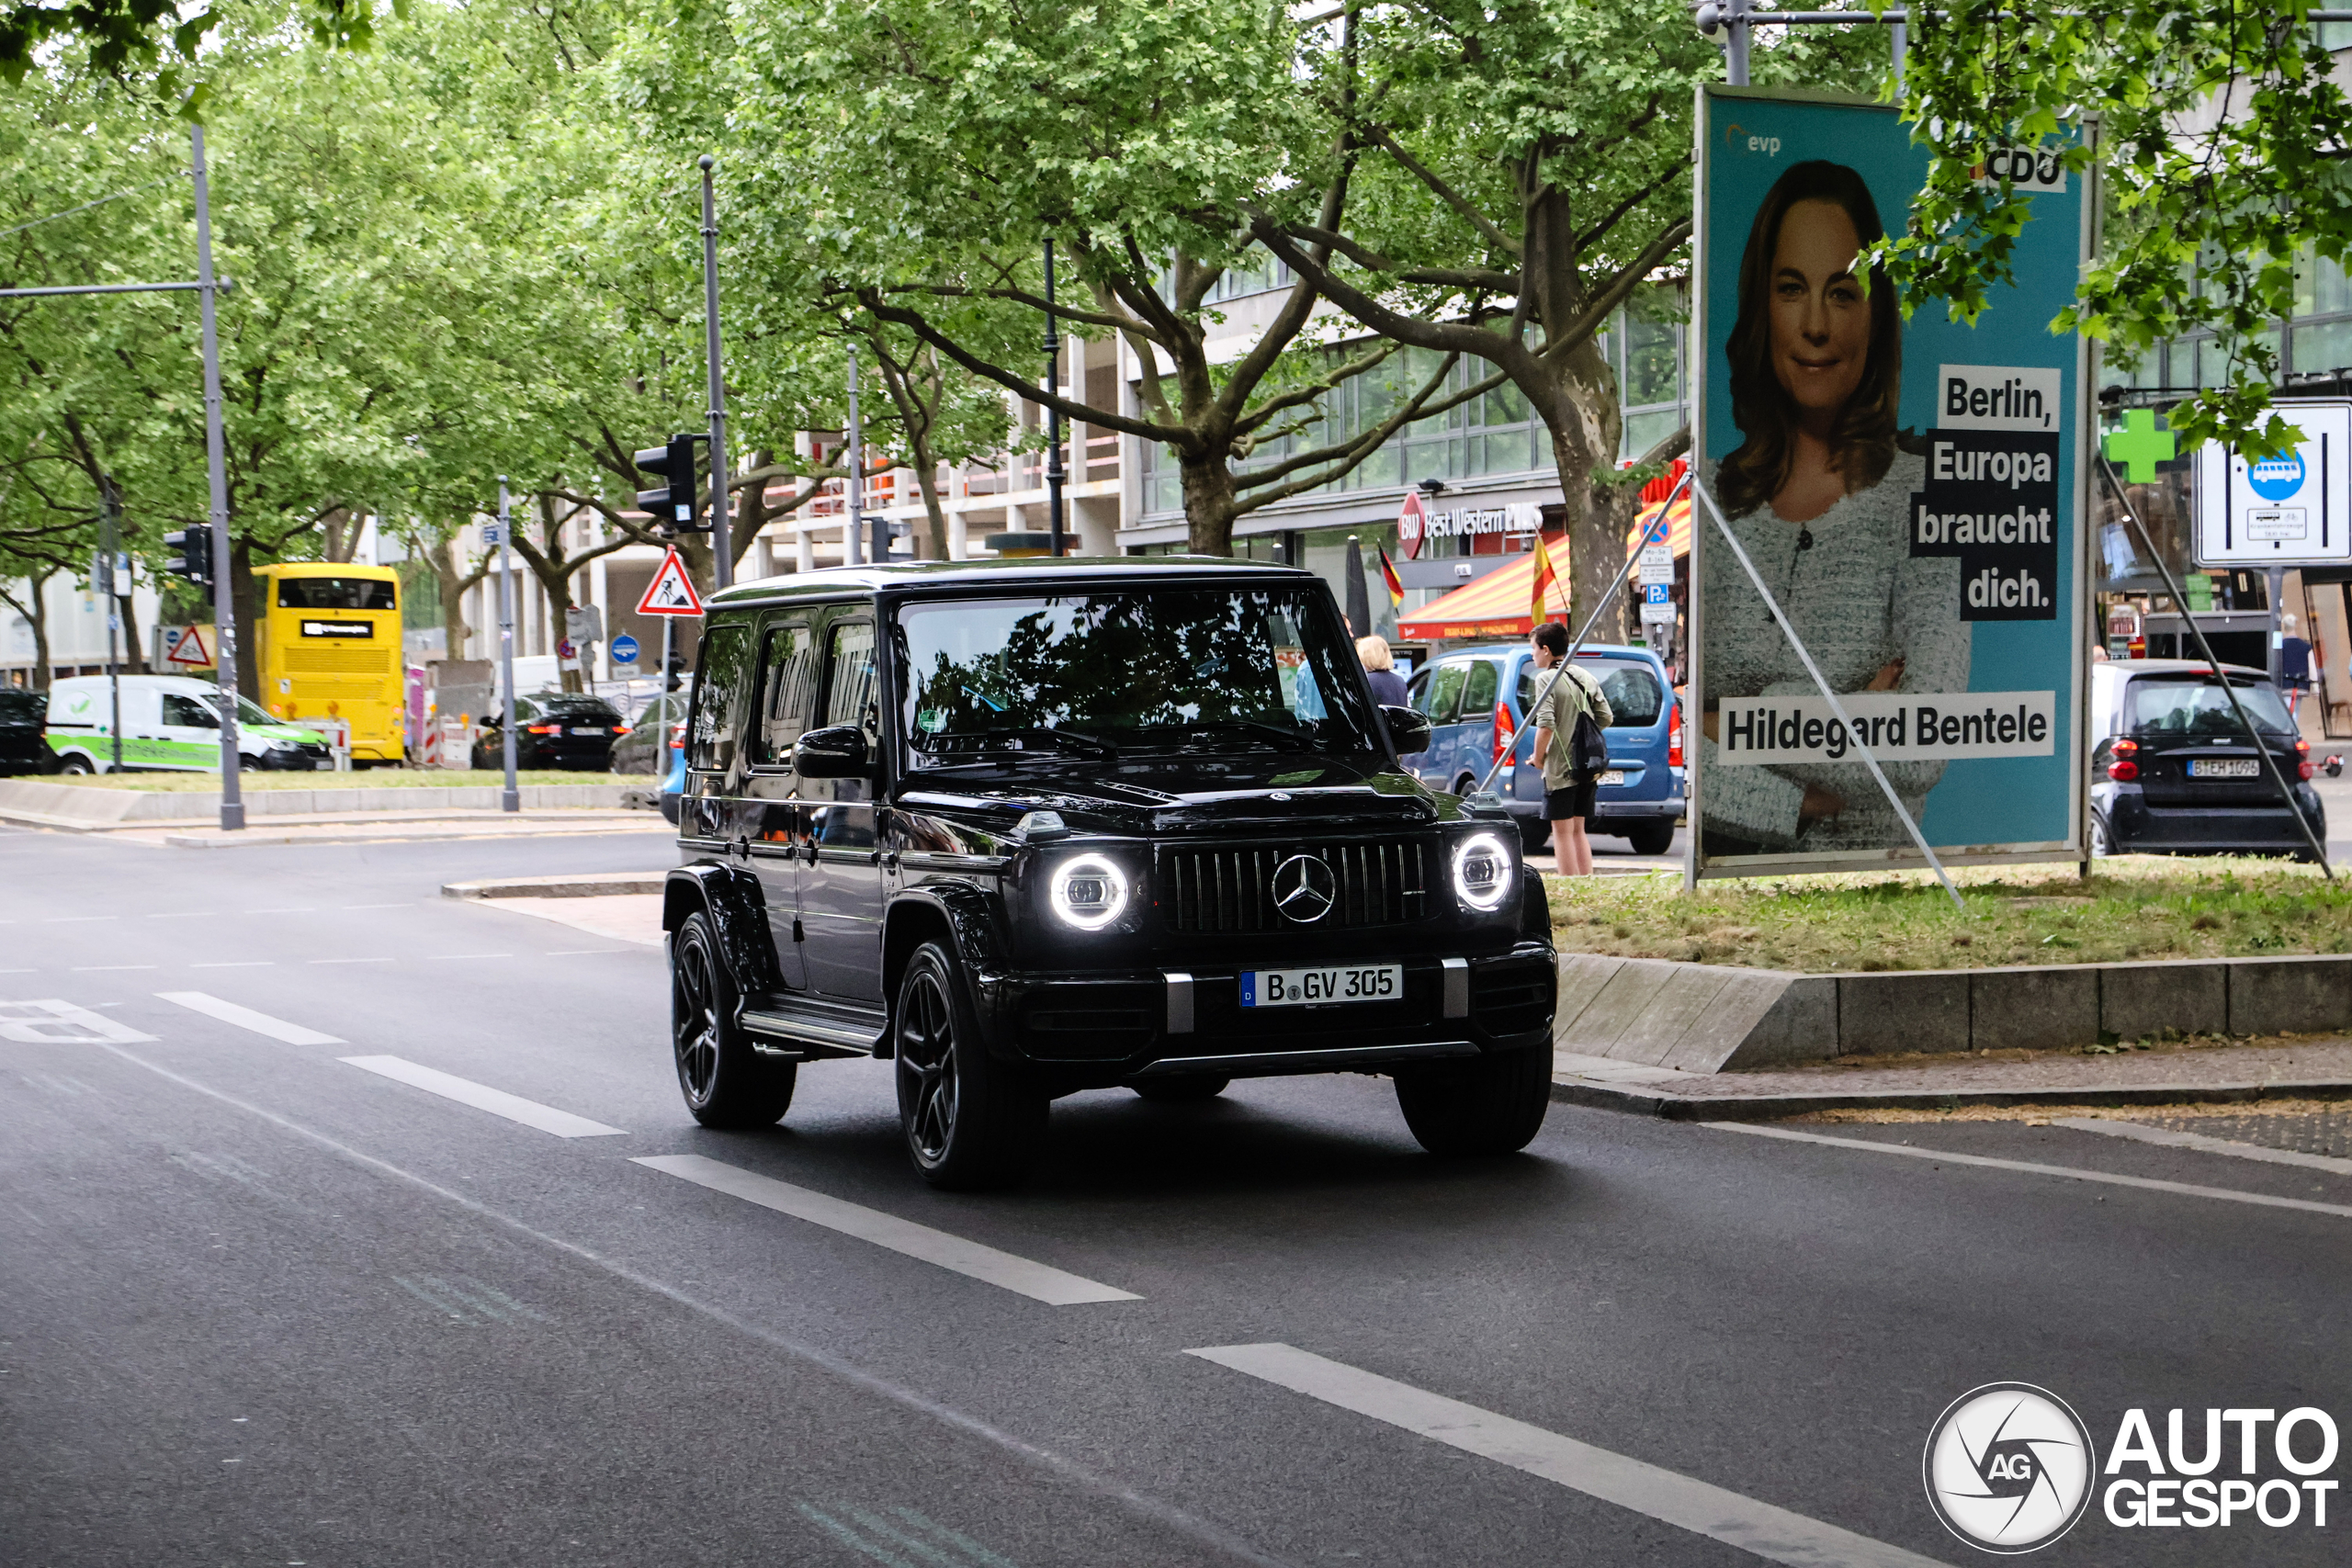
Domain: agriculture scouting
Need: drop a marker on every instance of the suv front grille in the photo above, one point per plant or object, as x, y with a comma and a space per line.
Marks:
1231, 890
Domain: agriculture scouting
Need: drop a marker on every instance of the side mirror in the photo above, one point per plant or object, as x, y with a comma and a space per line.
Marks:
1408, 728
837, 753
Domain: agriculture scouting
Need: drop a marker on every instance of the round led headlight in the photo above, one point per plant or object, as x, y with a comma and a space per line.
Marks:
1482, 872
1087, 891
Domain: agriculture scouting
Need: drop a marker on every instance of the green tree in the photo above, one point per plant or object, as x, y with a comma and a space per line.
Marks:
2222, 135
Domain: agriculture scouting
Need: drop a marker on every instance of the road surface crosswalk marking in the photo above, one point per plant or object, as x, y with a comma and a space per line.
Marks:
246, 1018
1673, 1498
1945, 1157
1037, 1280
482, 1097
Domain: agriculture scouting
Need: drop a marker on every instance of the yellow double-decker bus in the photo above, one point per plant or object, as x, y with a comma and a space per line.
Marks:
328, 647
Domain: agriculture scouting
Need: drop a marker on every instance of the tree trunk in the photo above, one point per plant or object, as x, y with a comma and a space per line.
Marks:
244, 599
1580, 413
1211, 503
452, 585
134, 654
36, 614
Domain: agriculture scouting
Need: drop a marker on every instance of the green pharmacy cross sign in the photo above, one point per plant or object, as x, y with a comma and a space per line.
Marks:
2139, 445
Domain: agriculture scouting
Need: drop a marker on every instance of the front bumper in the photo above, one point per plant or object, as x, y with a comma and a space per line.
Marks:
1084, 1030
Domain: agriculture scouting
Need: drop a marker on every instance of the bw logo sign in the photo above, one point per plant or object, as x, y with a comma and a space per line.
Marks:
2008, 1468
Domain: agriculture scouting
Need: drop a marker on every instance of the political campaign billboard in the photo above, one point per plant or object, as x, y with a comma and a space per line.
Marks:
1910, 493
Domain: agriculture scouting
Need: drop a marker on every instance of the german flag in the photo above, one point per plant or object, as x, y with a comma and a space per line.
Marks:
1389, 576
1547, 579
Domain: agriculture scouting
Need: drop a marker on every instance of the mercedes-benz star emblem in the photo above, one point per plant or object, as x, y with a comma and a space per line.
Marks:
1304, 889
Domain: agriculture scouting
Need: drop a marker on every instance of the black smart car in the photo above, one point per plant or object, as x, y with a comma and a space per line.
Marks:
2174, 773
1033, 826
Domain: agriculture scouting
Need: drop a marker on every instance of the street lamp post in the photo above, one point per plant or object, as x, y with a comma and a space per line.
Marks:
1055, 474
224, 592
853, 536
511, 798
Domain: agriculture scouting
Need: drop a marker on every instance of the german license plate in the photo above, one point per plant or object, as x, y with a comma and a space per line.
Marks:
1305, 987
2224, 768
589, 729
1613, 777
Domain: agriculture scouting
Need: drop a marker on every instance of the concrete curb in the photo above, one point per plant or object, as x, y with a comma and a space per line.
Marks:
489, 827
36, 804
1652, 1101
597, 887
1714, 1018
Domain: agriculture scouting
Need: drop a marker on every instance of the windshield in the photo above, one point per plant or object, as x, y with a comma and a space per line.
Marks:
1253, 668
2189, 705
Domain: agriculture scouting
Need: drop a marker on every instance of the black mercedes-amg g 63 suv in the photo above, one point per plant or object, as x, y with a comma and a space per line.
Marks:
1029, 827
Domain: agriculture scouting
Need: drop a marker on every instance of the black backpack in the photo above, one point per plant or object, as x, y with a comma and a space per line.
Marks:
1588, 744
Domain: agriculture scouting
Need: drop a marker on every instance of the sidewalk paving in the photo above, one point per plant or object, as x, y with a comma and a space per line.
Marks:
391, 827
2277, 1067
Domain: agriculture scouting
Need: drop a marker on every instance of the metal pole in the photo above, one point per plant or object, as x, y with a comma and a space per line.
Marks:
2319, 850
1820, 680
853, 538
1055, 473
102, 579
1899, 37
1582, 632
512, 798
724, 570
1735, 43
2276, 598
224, 596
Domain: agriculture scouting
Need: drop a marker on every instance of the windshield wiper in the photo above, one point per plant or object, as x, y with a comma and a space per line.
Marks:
988, 742
1245, 729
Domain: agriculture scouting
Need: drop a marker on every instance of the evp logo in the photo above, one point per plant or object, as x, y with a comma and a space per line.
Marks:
1737, 138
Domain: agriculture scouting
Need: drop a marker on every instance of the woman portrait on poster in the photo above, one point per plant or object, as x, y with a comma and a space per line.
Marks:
1819, 496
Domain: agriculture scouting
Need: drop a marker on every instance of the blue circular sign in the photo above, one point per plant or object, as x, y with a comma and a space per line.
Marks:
623, 648
2275, 478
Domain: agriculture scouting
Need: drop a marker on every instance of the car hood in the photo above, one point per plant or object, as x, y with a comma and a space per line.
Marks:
1180, 794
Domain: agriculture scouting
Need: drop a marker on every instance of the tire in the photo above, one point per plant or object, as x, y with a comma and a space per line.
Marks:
1188, 1090
969, 1121
1493, 1104
1466, 783
1652, 838
726, 1083
2100, 844
76, 764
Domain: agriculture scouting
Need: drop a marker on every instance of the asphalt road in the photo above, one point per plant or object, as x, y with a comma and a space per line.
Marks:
259, 1304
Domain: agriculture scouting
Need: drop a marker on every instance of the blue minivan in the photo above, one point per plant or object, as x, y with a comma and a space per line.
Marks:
1476, 700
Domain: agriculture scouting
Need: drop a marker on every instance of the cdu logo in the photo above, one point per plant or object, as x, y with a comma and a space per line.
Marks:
2008, 1468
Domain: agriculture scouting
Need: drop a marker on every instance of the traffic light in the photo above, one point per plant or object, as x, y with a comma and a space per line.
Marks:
677, 505
191, 556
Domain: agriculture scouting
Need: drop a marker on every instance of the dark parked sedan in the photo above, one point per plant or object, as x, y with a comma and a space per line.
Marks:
24, 746
2174, 773
554, 730
647, 746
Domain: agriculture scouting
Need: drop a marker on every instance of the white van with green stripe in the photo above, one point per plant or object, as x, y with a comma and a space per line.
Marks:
170, 723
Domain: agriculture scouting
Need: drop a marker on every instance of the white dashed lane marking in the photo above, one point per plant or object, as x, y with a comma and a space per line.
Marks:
482, 1097
2073, 1173
1769, 1532
1038, 1281
246, 1018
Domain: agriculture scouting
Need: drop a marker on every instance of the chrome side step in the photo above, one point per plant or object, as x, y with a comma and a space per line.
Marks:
805, 1029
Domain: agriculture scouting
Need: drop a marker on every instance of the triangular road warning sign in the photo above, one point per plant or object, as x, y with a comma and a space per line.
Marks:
672, 592
188, 648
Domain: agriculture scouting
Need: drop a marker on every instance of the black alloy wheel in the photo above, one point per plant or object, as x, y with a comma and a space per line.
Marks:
1651, 838
726, 1082
1490, 1104
1190, 1090
969, 1121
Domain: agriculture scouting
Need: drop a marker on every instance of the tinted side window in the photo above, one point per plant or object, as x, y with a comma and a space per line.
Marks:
1417, 692
189, 712
849, 677
1478, 692
21, 707
1634, 694
710, 738
786, 683
1445, 691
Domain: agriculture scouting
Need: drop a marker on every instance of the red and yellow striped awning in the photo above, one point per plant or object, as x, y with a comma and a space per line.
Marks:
1497, 604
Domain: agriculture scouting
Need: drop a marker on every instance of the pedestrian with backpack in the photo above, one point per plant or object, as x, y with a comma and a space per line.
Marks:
1571, 747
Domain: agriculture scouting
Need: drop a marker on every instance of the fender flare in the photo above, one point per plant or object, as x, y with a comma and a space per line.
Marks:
970, 917
738, 910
